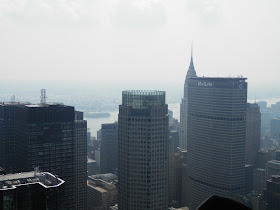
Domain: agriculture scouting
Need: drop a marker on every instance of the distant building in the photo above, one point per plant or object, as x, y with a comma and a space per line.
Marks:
257, 201
184, 107
248, 178
272, 168
275, 128
259, 180
179, 159
31, 190
272, 193
97, 158
263, 156
109, 148
91, 167
102, 191
143, 149
216, 135
253, 133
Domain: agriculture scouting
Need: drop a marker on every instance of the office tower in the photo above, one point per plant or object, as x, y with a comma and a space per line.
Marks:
48, 136
8, 137
259, 180
272, 167
109, 148
216, 138
31, 190
91, 167
184, 107
102, 191
179, 160
272, 192
263, 156
80, 139
253, 133
143, 151
275, 128
248, 178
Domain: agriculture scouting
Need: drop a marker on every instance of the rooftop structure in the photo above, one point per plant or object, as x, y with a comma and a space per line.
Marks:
102, 191
45, 179
31, 190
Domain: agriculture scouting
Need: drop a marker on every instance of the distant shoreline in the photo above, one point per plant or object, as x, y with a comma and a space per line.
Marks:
97, 114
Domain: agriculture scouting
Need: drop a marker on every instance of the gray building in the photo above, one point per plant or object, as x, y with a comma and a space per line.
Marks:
143, 151
184, 108
253, 133
216, 138
275, 128
109, 148
102, 191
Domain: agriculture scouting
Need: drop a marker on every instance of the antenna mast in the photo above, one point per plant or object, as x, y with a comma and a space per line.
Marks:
43, 96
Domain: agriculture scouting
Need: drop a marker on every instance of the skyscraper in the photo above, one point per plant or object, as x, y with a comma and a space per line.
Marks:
46, 135
80, 154
184, 107
216, 138
143, 151
253, 133
109, 148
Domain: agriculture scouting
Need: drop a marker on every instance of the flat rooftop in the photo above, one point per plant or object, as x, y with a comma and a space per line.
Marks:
219, 78
12, 181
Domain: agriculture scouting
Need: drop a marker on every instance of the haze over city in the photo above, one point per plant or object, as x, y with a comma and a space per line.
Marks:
139, 104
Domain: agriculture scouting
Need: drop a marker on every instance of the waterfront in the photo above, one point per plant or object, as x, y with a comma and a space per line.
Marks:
95, 123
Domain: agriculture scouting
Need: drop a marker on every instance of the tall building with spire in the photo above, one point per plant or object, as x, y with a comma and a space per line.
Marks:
184, 106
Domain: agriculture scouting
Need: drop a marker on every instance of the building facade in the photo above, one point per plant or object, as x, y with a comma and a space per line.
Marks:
184, 108
80, 140
272, 192
253, 133
48, 136
109, 148
216, 138
143, 151
102, 191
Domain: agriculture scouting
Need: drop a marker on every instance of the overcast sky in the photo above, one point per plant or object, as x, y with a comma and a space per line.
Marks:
139, 39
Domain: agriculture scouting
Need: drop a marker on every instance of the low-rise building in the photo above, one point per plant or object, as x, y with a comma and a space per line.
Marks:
102, 191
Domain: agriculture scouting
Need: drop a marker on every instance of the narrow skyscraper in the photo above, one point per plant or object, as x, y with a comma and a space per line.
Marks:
216, 138
253, 135
109, 148
184, 107
143, 151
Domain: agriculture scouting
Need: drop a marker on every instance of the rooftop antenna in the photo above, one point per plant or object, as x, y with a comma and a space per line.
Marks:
13, 98
43, 96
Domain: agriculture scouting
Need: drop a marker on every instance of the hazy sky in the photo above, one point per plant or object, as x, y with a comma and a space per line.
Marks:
139, 39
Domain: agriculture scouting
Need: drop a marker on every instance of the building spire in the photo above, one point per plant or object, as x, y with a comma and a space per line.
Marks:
191, 63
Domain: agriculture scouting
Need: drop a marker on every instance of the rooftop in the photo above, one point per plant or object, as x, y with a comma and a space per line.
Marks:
12, 181
219, 78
